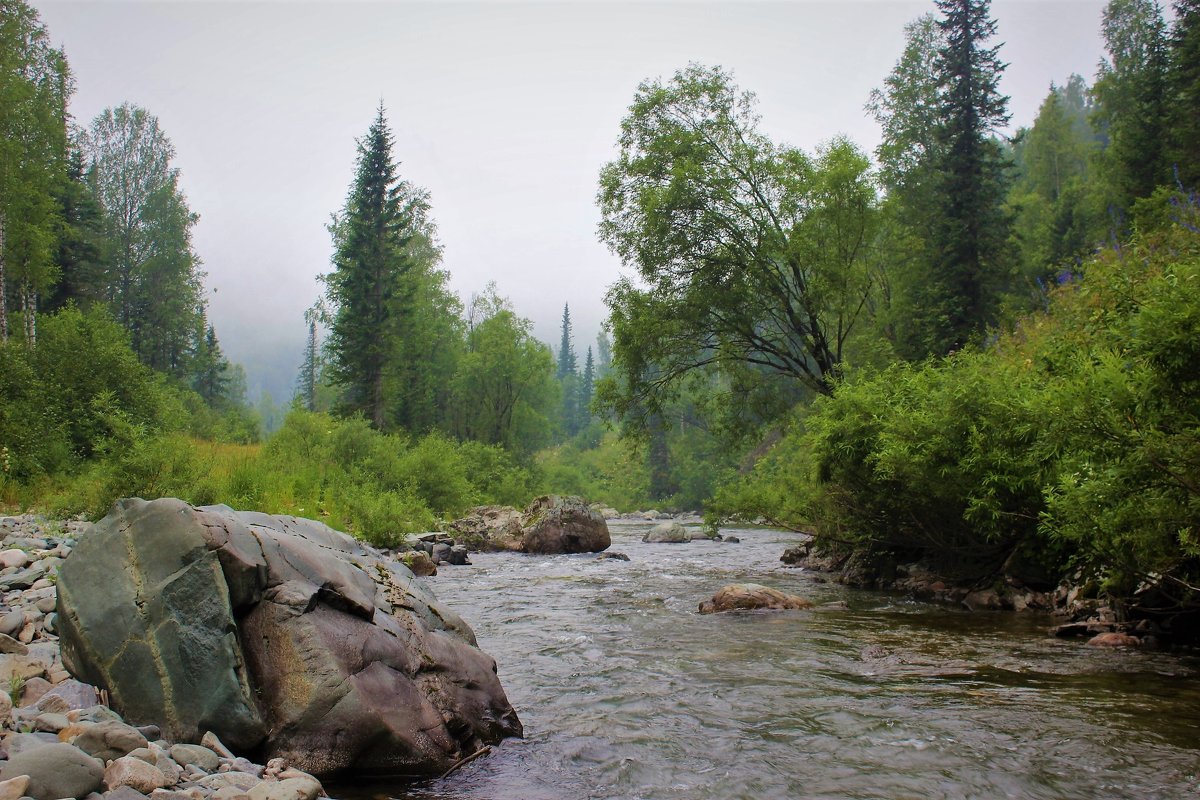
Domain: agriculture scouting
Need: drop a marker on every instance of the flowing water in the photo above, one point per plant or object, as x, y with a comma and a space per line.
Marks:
626, 692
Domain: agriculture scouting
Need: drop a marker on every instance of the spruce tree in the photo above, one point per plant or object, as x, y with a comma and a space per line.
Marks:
566, 348
210, 368
586, 388
371, 272
971, 227
81, 242
310, 369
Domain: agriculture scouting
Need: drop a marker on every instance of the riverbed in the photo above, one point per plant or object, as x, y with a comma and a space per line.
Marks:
626, 692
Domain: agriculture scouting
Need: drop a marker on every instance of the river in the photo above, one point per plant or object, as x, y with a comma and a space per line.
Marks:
626, 692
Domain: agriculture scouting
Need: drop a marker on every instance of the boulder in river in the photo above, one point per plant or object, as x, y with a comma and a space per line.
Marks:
280, 635
667, 533
751, 597
550, 524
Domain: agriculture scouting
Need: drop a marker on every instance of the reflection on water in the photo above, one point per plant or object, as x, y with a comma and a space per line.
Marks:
626, 692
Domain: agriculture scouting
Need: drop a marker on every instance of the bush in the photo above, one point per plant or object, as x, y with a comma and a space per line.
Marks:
1073, 442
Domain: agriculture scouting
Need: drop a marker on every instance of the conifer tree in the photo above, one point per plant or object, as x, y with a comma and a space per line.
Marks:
209, 366
971, 228
81, 242
566, 347
586, 387
372, 273
310, 369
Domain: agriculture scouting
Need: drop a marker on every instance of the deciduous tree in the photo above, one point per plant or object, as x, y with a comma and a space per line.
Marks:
746, 251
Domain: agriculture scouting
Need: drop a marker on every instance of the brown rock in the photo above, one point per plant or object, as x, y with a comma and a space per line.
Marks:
749, 597
1114, 639
134, 773
553, 524
10, 646
14, 788
109, 740
419, 563
490, 528
35, 688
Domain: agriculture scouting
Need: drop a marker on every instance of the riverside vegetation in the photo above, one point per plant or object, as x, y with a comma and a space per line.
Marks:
974, 351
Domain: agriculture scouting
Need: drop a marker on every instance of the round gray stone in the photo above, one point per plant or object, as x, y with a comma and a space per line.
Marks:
56, 770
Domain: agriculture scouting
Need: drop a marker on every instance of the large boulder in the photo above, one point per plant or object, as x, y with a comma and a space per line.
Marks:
554, 524
278, 634
751, 597
667, 533
55, 771
551, 524
490, 528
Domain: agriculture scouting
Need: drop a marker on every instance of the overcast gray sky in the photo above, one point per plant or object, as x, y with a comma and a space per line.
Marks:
505, 112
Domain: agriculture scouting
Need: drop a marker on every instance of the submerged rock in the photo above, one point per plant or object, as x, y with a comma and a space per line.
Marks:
278, 634
1114, 639
750, 597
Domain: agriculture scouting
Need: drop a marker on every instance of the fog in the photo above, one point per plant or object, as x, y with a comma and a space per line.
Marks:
504, 112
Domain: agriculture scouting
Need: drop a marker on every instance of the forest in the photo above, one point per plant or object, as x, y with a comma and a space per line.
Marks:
970, 347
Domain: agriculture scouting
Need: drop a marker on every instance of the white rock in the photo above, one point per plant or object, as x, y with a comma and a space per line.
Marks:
302, 788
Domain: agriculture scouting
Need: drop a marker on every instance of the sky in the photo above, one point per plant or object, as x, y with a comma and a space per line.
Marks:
505, 112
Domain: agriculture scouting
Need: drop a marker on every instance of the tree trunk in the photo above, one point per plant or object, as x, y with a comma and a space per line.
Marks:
29, 311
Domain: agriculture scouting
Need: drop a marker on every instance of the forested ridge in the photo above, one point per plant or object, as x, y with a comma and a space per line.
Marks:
970, 347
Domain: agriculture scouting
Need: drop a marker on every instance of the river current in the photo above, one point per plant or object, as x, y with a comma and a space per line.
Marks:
626, 692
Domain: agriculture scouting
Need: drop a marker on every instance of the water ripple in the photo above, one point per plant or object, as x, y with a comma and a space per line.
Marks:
626, 692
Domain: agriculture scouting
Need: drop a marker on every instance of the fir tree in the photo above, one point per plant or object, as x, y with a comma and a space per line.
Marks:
310, 369
586, 387
210, 368
371, 274
566, 348
81, 240
970, 230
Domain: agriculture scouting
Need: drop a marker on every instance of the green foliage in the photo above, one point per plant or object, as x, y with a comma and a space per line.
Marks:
34, 87
612, 473
957, 295
1184, 91
1129, 408
504, 392
154, 282
393, 325
748, 252
1073, 442
1132, 101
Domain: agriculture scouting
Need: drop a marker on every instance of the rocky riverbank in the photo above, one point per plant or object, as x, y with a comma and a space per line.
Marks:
1076, 610
61, 739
